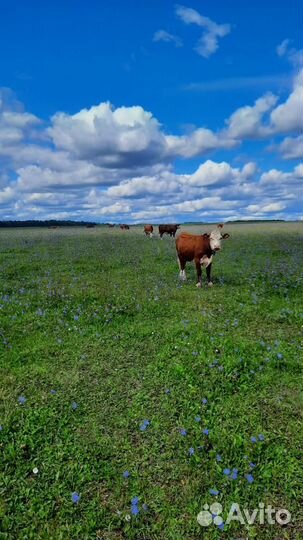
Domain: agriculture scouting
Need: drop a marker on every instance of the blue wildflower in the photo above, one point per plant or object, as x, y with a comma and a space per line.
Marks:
75, 497
22, 400
74, 405
213, 492
226, 472
198, 418
204, 401
53, 392
126, 474
167, 391
191, 451
145, 507
279, 356
218, 457
253, 439
261, 437
234, 474
183, 432
135, 500
249, 478
144, 425
205, 431
252, 465
221, 526
135, 510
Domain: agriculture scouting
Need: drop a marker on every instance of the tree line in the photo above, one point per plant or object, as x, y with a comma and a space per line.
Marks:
46, 223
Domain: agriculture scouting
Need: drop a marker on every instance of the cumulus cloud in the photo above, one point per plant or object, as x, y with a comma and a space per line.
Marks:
267, 117
246, 122
162, 35
291, 147
208, 42
110, 137
15, 123
277, 176
198, 142
288, 116
107, 163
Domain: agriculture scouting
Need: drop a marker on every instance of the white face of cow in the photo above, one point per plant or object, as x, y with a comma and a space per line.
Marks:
216, 238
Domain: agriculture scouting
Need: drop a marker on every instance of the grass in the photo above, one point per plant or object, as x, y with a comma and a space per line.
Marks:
98, 335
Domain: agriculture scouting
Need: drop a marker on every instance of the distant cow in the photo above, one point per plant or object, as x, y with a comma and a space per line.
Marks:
170, 229
90, 226
110, 225
201, 249
124, 226
148, 229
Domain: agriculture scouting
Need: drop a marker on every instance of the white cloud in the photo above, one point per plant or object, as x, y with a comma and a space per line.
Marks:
267, 208
110, 137
293, 55
162, 35
291, 147
15, 123
288, 116
117, 164
246, 122
208, 43
197, 143
210, 173
282, 47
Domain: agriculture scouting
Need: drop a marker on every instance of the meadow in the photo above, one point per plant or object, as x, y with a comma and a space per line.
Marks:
129, 400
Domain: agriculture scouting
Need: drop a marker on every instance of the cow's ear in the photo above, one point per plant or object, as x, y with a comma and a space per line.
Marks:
220, 225
226, 235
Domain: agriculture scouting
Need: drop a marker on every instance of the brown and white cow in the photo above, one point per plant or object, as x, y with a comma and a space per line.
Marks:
201, 249
148, 229
170, 229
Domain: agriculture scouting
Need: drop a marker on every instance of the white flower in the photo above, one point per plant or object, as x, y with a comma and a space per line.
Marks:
35, 470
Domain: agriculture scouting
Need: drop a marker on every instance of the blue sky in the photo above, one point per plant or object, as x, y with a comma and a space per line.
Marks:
151, 111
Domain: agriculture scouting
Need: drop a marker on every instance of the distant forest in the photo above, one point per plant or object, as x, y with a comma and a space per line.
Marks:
46, 223
70, 223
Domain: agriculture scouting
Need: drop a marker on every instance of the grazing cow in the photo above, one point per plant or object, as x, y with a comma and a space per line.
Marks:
201, 249
170, 229
90, 226
148, 229
124, 226
110, 225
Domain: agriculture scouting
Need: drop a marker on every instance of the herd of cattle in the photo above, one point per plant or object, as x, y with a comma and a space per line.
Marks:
199, 248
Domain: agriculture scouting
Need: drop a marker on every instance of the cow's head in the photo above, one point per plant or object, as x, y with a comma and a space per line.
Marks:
216, 237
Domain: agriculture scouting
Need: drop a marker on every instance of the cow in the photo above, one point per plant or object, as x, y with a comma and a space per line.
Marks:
90, 226
170, 229
110, 225
148, 229
124, 226
201, 249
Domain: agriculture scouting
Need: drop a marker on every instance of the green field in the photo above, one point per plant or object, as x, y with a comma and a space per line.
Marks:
98, 336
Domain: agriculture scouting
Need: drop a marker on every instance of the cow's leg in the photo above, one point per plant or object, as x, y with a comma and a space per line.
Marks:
199, 273
182, 264
208, 275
